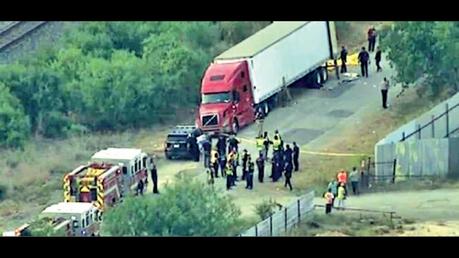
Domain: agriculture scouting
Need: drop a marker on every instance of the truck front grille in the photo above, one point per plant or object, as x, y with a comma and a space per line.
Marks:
210, 120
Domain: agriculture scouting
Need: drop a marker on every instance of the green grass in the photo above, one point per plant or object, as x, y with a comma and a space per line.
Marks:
345, 223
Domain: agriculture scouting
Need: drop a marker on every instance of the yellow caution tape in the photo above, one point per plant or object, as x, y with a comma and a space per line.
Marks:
317, 152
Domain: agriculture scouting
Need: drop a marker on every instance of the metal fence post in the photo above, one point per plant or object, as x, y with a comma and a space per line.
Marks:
285, 219
419, 131
271, 225
299, 210
447, 120
393, 171
433, 126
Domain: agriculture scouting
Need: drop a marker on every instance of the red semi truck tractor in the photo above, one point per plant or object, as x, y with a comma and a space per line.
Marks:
250, 74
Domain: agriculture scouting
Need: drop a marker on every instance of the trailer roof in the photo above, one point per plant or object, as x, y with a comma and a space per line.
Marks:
117, 154
69, 207
261, 40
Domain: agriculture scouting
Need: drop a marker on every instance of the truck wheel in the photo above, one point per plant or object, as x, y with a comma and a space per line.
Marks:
235, 126
317, 79
324, 74
266, 107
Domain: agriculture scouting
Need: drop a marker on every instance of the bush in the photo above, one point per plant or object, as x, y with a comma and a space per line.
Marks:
187, 208
266, 208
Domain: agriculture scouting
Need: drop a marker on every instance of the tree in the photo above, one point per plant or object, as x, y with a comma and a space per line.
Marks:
14, 124
427, 49
186, 208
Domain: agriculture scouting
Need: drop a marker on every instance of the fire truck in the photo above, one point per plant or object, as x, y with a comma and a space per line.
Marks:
63, 219
110, 175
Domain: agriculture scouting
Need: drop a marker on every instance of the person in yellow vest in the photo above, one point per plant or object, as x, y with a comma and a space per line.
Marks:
229, 175
276, 145
260, 143
232, 161
214, 162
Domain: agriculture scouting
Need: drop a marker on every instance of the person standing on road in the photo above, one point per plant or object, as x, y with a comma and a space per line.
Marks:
354, 177
193, 147
245, 158
328, 201
260, 144
296, 156
214, 162
223, 165
250, 171
233, 143
276, 145
371, 39
206, 149
266, 143
384, 91
221, 146
343, 57
288, 155
277, 169
364, 57
342, 178
259, 118
333, 188
154, 175
229, 175
378, 59
261, 168
341, 196
288, 174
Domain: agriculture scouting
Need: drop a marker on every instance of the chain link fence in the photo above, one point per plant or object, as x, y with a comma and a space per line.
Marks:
285, 219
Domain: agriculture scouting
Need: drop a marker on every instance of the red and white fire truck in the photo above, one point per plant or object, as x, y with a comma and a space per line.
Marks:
111, 174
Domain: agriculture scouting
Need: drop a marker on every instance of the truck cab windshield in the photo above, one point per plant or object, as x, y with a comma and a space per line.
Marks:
222, 97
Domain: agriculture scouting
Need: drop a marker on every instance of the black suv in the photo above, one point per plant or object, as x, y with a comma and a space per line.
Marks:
176, 142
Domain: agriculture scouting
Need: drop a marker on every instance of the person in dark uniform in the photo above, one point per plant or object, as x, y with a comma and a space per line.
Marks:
139, 189
288, 154
206, 148
261, 168
364, 57
245, 157
193, 147
343, 57
154, 177
215, 164
266, 143
223, 165
229, 175
250, 171
288, 175
378, 59
233, 143
296, 156
277, 173
221, 146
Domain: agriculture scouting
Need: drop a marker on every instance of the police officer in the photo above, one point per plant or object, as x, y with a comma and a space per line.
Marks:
296, 156
214, 161
260, 144
343, 56
276, 145
154, 176
261, 168
266, 144
229, 175
245, 157
288, 175
193, 147
221, 146
206, 149
364, 57
288, 154
251, 170
233, 143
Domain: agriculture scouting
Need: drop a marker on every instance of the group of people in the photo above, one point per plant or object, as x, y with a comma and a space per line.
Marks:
364, 56
227, 158
151, 169
364, 60
337, 188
